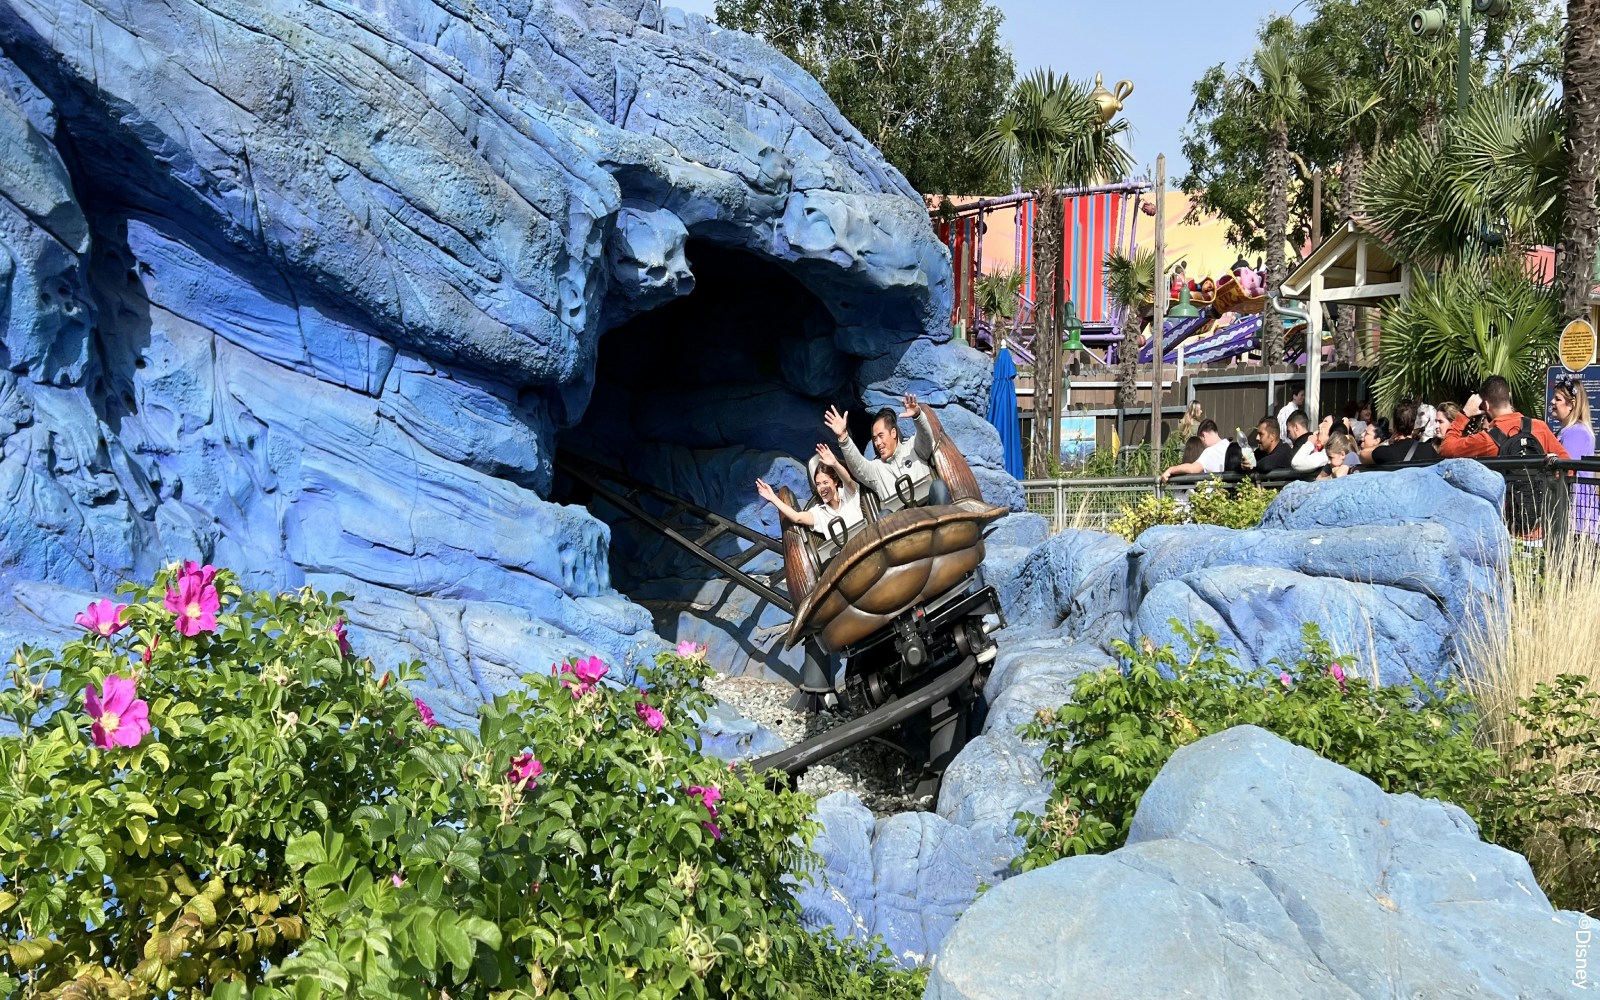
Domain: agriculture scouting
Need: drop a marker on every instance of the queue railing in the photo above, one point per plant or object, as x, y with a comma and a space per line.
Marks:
1572, 489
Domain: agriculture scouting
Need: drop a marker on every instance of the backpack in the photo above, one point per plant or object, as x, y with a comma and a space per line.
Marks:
1525, 488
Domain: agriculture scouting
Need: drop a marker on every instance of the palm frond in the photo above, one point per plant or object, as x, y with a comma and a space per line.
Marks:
1475, 318
1050, 135
1130, 279
1499, 163
998, 293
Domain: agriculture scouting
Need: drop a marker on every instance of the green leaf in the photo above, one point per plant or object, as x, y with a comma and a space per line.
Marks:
426, 943
138, 829
305, 849
453, 941
323, 874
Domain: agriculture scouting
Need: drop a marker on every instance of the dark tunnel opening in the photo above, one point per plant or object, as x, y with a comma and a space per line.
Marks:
698, 398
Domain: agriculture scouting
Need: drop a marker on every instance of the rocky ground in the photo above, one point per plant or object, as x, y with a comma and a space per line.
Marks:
883, 777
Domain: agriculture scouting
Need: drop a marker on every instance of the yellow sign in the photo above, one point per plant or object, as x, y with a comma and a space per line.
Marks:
1577, 345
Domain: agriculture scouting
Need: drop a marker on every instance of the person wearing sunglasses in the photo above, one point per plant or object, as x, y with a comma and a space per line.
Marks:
1569, 404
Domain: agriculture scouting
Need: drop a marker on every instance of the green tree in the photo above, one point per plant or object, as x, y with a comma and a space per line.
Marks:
1130, 281
999, 298
1377, 58
918, 78
1288, 81
1050, 135
1580, 82
1494, 175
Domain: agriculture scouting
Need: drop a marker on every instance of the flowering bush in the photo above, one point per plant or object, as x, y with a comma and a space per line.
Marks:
1105, 747
208, 795
1235, 505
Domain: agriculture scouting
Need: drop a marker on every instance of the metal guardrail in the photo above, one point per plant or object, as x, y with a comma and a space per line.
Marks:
1095, 503
1086, 503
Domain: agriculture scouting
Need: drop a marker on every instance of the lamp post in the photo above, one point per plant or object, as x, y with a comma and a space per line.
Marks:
1185, 309
1071, 337
1429, 22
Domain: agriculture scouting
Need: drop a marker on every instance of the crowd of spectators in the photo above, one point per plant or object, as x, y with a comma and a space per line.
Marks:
1284, 444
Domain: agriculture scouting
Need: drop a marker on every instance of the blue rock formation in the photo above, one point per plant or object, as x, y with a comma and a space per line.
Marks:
1255, 869
1389, 567
319, 299
906, 879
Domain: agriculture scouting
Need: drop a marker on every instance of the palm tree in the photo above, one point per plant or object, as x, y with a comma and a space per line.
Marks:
1289, 82
1494, 177
1580, 83
1050, 135
1477, 317
1130, 280
998, 298
1354, 103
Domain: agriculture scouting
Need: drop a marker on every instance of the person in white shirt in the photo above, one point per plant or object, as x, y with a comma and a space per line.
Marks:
1311, 456
838, 498
1297, 401
896, 457
1218, 455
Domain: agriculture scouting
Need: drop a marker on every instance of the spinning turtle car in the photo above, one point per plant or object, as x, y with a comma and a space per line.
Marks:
899, 598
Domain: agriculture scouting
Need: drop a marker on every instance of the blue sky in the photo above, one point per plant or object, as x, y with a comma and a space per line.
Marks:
1161, 45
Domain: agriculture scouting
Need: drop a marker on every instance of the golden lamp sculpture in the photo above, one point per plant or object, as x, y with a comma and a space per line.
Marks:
1110, 101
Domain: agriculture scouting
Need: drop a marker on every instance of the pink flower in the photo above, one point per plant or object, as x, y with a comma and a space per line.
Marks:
195, 600
524, 769
651, 717
692, 650
426, 713
206, 574
708, 795
150, 650
716, 831
338, 633
102, 618
397, 880
1337, 672
588, 673
1285, 679
120, 718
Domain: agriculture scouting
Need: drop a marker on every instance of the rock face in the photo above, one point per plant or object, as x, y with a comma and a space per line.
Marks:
1387, 565
1257, 869
319, 299
906, 879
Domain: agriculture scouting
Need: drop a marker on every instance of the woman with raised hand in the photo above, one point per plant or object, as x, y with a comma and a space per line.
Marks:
838, 497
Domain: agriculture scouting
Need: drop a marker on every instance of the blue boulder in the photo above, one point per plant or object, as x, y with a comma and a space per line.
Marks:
1388, 633
1256, 870
1419, 558
1077, 581
1459, 495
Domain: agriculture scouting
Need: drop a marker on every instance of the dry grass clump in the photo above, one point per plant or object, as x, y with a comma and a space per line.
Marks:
1546, 625
1533, 667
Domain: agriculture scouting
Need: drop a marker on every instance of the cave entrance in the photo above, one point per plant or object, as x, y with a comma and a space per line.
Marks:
698, 398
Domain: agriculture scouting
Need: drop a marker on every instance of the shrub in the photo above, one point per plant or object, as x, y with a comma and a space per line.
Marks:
239, 806
1532, 668
1104, 748
1237, 505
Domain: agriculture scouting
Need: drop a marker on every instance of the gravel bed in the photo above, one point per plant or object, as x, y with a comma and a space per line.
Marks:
884, 778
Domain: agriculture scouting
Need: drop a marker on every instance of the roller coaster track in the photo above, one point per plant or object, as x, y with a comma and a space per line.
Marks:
687, 525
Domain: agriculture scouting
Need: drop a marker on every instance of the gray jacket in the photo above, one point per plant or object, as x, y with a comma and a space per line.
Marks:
911, 459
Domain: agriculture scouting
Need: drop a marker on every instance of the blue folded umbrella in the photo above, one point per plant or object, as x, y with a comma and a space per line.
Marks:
1003, 411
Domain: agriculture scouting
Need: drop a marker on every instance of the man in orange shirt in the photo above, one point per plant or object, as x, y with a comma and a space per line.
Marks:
1490, 427
1496, 404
